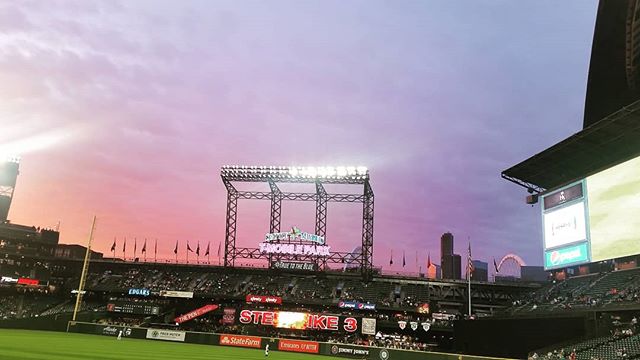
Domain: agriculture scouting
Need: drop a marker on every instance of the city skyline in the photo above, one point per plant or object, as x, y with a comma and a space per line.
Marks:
129, 110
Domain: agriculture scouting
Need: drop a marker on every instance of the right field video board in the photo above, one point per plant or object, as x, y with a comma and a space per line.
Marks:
594, 219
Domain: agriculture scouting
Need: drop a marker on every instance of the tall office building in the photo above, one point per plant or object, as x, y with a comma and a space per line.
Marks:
449, 261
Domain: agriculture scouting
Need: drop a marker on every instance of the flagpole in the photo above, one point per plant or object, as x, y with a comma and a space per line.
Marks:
155, 252
469, 277
187, 251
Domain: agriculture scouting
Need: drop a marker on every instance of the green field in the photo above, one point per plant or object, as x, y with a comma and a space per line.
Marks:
43, 345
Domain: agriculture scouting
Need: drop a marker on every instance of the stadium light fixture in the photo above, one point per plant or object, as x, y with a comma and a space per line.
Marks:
297, 172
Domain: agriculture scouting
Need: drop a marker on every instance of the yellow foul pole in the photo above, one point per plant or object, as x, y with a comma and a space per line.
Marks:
85, 267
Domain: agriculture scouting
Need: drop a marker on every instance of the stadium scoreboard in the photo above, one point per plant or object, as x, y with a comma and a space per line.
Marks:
593, 219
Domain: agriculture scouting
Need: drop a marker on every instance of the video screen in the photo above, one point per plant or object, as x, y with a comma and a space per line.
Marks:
290, 320
614, 211
595, 219
565, 226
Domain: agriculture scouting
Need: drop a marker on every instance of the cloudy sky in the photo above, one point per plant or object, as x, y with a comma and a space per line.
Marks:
128, 109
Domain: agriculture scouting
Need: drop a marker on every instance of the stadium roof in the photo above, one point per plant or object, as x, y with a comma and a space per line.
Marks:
614, 139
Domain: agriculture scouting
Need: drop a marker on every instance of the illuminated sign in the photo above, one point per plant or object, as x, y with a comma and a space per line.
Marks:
295, 249
297, 320
293, 265
294, 234
566, 256
356, 305
263, 299
141, 292
8, 279
178, 294
25, 281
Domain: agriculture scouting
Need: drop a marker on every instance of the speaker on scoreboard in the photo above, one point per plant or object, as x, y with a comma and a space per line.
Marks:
532, 199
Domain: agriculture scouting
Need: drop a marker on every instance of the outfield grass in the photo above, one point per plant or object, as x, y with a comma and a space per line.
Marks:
41, 345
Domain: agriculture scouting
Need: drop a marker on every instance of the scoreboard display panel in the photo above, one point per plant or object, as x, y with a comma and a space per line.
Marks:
594, 219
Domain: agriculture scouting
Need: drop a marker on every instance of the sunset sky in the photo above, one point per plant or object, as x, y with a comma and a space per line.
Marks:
128, 109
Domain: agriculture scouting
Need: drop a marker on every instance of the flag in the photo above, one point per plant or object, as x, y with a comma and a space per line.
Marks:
135, 246
175, 251
113, 247
429, 261
156, 248
495, 265
144, 247
404, 261
469, 263
124, 247
198, 249
219, 247
207, 252
188, 247
391, 259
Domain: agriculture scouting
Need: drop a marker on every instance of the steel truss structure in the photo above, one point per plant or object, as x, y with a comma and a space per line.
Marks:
299, 175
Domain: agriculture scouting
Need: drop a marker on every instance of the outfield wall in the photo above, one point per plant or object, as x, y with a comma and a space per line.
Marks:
290, 345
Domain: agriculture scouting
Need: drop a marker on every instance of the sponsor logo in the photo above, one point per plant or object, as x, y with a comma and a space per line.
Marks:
343, 350
426, 326
263, 299
402, 324
113, 330
568, 255
414, 325
169, 335
356, 305
8, 279
384, 354
299, 346
294, 234
240, 341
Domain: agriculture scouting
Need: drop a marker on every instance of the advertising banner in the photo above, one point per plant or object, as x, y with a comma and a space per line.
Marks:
263, 299
443, 316
195, 313
240, 341
311, 347
229, 316
292, 265
177, 294
356, 305
25, 281
298, 320
8, 279
170, 335
575, 254
350, 351
368, 326
115, 330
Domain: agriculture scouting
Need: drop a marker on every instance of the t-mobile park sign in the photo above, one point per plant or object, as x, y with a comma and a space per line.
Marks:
315, 244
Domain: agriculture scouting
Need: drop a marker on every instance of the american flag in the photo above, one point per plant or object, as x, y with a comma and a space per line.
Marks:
470, 263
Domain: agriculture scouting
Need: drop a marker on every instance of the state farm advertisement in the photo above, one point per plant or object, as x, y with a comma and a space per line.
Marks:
298, 320
240, 341
311, 347
262, 299
195, 313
